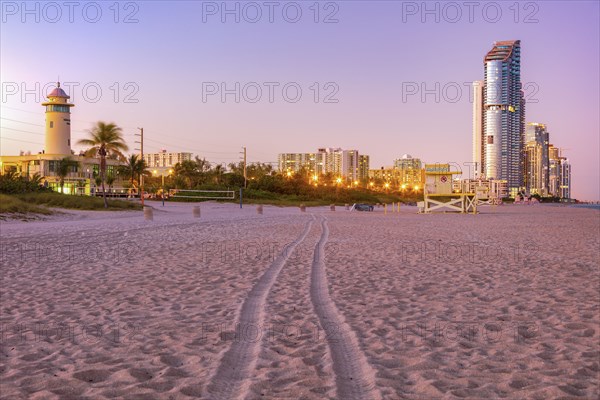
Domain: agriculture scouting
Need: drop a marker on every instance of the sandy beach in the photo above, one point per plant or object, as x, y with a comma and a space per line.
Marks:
292, 305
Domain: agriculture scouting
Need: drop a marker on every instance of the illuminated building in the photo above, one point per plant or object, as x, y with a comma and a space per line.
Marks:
503, 115
347, 164
57, 132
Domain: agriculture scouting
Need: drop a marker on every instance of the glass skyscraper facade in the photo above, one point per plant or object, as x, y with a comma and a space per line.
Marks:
504, 115
537, 178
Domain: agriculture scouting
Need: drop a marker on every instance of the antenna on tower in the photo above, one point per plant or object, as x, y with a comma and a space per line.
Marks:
58, 81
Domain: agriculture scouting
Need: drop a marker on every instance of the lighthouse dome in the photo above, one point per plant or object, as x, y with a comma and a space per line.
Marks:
58, 92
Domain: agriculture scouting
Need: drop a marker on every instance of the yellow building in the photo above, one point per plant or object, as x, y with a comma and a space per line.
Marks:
407, 173
81, 179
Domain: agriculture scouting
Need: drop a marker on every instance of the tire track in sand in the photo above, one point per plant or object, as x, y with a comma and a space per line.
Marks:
355, 378
231, 378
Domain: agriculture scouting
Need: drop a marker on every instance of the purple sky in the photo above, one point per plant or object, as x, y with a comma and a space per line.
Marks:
371, 56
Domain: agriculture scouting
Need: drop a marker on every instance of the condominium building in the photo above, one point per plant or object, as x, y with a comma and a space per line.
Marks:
478, 142
565, 178
293, 162
406, 173
503, 116
537, 136
363, 167
534, 169
409, 170
165, 160
347, 164
554, 171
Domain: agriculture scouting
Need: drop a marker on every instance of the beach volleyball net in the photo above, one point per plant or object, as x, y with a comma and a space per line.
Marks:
202, 194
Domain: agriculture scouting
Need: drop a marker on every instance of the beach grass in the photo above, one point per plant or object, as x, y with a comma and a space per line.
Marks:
318, 198
16, 206
41, 202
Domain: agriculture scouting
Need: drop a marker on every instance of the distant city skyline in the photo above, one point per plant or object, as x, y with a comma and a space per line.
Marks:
394, 96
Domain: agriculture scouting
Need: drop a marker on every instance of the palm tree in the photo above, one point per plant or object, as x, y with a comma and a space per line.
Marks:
36, 179
203, 165
110, 179
105, 140
218, 171
186, 171
134, 167
63, 167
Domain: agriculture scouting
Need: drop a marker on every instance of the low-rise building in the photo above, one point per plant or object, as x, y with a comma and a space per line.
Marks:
81, 178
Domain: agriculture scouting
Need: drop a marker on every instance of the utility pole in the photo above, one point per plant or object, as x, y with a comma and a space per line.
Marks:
141, 142
245, 171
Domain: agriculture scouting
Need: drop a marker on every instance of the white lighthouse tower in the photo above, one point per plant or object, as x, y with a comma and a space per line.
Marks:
58, 122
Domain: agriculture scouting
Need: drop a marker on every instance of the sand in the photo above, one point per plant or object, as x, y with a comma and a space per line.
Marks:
292, 305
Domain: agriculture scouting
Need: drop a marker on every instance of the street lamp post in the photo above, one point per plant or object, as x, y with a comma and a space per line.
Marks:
163, 188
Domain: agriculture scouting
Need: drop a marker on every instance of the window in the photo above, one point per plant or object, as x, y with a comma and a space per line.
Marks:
490, 140
57, 108
51, 124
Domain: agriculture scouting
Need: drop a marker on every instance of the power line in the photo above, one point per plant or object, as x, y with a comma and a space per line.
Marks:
184, 147
18, 109
20, 130
19, 140
21, 122
30, 123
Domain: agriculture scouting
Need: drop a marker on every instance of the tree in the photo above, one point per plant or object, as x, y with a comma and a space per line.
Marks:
203, 165
105, 140
218, 173
36, 179
186, 172
110, 179
63, 167
134, 167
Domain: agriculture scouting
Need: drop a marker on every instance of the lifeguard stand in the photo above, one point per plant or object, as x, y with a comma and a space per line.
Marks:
439, 196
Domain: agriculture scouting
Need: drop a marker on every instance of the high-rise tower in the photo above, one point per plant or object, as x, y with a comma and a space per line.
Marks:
478, 142
536, 135
58, 122
504, 114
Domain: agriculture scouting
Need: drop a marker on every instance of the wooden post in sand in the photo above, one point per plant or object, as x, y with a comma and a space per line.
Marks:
259, 209
332, 207
196, 211
384, 208
302, 208
347, 206
148, 215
